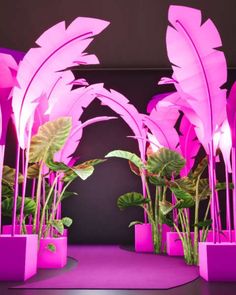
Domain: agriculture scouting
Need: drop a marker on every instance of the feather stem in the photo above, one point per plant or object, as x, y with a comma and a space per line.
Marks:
16, 187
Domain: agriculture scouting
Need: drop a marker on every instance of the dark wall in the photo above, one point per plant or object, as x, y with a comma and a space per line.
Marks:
135, 37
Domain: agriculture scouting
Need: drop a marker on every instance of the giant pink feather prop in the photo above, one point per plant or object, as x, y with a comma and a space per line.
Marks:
121, 105
189, 145
195, 60
162, 120
155, 99
59, 48
75, 136
231, 114
8, 68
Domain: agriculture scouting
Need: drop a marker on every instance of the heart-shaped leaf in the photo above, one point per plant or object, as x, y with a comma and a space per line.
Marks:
165, 162
50, 139
130, 200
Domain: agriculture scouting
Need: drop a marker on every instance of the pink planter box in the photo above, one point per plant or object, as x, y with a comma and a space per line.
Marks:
49, 259
217, 262
6, 229
174, 245
143, 237
18, 257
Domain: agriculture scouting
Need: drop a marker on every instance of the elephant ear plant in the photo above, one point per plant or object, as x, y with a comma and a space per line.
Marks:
158, 169
53, 178
162, 170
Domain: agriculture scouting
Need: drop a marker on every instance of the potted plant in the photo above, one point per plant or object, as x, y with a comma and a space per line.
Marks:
47, 223
202, 98
149, 236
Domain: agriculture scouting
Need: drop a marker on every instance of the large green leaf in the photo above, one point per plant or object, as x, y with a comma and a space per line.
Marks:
83, 170
165, 162
184, 183
186, 200
57, 166
33, 171
7, 191
67, 221
127, 156
158, 181
7, 206
50, 139
166, 207
8, 176
130, 200
58, 225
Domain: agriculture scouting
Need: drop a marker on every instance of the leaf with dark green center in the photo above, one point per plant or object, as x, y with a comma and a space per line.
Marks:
50, 138
51, 247
8, 176
186, 199
158, 181
130, 200
33, 171
184, 183
127, 156
83, 170
57, 166
166, 207
7, 191
7, 206
165, 162
58, 225
67, 221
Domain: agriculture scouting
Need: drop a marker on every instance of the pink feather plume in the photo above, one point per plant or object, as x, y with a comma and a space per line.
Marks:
40, 68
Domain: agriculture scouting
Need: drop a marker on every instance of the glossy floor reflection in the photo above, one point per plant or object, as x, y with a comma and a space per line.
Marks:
197, 287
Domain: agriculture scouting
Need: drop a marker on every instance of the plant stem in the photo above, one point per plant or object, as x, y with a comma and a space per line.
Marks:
38, 192
44, 208
234, 190
25, 161
228, 214
2, 151
16, 187
195, 248
50, 218
149, 197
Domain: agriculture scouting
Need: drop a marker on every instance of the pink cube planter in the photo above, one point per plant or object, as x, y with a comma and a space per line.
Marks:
143, 237
174, 245
50, 259
18, 257
7, 229
217, 262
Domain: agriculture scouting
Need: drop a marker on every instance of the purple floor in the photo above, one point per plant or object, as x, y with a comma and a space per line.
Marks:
110, 267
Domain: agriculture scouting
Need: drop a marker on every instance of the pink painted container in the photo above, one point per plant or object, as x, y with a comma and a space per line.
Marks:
49, 259
18, 257
174, 245
7, 229
217, 262
143, 237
